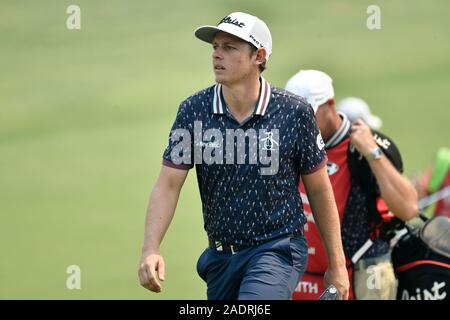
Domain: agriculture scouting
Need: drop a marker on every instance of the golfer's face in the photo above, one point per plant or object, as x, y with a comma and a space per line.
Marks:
232, 58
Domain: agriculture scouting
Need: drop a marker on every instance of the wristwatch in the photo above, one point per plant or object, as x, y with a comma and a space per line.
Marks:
374, 154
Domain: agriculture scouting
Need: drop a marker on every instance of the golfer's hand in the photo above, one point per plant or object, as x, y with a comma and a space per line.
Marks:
339, 278
151, 272
362, 138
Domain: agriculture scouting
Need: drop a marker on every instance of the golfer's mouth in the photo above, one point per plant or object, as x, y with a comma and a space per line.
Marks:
217, 67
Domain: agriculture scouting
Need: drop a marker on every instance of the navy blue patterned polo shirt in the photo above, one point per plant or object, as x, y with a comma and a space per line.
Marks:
248, 173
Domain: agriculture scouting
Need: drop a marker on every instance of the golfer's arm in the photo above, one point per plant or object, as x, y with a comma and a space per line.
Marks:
398, 193
323, 206
161, 207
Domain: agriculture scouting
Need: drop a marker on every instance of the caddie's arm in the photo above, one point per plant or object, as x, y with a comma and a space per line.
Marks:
161, 208
326, 217
398, 193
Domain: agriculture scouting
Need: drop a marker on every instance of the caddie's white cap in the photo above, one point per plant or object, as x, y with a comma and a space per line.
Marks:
316, 86
242, 25
355, 108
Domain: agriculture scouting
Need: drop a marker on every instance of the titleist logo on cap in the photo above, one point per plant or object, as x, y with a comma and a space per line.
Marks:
229, 20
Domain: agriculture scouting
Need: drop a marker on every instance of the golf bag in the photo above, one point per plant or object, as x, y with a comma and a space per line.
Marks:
421, 260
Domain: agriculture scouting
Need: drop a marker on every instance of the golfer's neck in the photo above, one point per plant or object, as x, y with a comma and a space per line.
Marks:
242, 97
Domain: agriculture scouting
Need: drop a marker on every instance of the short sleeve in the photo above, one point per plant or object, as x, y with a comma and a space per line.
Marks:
179, 151
312, 152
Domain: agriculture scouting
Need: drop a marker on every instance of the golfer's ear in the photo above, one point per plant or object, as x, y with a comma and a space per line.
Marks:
261, 55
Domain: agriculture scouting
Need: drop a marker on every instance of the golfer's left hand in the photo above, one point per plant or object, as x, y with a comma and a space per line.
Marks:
339, 278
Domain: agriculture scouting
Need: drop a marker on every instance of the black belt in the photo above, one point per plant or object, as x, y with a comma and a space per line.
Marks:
225, 247
231, 248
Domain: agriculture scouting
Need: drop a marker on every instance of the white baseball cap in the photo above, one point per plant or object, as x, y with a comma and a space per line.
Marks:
315, 86
355, 108
242, 25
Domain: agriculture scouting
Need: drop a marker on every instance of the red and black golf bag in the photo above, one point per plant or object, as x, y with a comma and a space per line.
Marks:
421, 260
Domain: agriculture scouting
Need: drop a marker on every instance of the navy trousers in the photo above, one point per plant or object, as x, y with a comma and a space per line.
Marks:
269, 271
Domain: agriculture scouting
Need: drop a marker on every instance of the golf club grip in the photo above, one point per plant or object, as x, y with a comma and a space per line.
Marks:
330, 293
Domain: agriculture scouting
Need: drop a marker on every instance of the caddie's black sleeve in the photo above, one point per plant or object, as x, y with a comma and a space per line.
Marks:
360, 169
389, 149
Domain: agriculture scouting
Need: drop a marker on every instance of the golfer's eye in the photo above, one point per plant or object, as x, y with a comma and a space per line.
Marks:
225, 47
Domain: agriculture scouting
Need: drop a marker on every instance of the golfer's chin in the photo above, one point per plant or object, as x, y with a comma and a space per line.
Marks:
220, 77
223, 81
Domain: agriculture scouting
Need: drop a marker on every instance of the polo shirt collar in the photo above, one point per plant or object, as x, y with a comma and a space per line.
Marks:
340, 133
218, 106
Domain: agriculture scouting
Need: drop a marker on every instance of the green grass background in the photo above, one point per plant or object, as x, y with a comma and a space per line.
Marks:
85, 116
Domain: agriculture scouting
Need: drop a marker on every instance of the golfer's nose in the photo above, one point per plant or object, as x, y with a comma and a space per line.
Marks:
217, 53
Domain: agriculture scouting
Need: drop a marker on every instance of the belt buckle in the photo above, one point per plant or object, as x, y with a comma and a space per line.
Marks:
218, 245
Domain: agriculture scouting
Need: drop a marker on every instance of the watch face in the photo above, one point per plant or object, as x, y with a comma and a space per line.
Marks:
375, 154
378, 153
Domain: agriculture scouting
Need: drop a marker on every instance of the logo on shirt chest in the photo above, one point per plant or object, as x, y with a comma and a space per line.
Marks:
332, 168
269, 141
237, 147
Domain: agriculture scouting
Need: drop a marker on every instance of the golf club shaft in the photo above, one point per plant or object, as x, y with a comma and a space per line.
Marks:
435, 197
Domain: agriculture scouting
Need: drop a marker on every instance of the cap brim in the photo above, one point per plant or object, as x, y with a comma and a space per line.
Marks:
206, 33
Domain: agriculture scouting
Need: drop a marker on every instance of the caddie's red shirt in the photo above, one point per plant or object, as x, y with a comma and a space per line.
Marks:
311, 285
339, 175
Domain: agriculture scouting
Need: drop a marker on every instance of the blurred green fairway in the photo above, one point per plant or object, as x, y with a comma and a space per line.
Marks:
85, 116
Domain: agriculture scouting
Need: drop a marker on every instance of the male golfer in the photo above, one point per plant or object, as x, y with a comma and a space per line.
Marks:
251, 143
